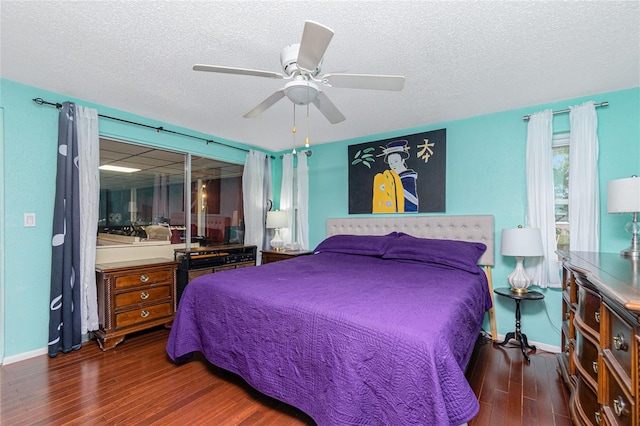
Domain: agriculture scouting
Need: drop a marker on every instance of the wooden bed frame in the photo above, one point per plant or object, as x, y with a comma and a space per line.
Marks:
477, 228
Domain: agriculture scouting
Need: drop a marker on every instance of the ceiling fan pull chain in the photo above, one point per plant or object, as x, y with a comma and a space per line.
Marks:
306, 141
293, 130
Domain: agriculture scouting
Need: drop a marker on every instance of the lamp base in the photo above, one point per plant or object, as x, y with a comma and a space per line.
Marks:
276, 242
630, 253
633, 228
518, 279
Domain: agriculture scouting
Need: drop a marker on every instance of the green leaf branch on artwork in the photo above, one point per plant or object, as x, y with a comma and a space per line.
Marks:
364, 156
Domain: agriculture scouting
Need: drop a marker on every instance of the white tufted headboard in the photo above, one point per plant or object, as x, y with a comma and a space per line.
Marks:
477, 228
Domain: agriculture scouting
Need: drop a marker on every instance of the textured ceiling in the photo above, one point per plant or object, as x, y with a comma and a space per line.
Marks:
460, 59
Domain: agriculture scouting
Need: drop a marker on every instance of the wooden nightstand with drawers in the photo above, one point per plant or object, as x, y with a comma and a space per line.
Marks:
133, 296
269, 256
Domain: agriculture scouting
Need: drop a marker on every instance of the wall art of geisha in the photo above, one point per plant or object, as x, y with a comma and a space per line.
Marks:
399, 175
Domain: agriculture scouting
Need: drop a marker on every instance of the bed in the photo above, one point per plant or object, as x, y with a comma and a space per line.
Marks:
375, 328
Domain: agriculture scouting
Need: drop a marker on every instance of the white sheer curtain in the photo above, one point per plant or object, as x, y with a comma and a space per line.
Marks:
255, 190
267, 200
584, 191
286, 197
544, 271
303, 201
89, 159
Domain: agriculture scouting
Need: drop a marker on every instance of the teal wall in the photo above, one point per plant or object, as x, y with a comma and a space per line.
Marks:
485, 175
30, 145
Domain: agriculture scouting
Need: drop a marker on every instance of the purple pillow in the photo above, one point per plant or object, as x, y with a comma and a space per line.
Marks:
462, 255
369, 245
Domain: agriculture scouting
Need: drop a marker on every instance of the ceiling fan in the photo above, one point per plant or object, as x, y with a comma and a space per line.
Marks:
301, 64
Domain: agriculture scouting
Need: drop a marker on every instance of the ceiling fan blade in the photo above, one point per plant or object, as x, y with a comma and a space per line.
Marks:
315, 40
328, 109
241, 71
262, 106
364, 81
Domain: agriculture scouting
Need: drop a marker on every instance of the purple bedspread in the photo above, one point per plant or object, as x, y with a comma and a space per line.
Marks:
348, 339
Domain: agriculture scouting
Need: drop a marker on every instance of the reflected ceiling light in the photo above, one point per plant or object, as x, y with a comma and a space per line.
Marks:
118, 169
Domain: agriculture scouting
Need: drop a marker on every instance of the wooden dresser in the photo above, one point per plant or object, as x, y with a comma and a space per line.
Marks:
133, 296
601, 337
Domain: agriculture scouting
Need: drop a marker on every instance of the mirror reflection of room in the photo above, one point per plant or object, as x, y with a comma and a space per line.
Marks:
143, 197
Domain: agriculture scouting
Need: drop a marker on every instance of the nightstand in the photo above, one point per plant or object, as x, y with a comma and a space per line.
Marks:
133, 295
518, 335
270, 256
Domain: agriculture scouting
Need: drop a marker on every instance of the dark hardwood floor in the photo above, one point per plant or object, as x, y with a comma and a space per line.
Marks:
137, 384
512, 392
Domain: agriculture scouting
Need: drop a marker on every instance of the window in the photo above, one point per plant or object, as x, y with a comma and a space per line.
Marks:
148, 201
561, 188
216, 202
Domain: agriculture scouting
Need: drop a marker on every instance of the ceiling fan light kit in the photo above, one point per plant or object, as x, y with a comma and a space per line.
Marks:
301, 92
301, 64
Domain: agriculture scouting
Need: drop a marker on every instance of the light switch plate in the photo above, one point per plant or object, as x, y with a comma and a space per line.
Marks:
29, 219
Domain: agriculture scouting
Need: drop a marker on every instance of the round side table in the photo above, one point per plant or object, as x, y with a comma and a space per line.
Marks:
518, 335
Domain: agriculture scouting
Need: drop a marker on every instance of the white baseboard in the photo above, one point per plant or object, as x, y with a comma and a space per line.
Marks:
38, 352
25, 355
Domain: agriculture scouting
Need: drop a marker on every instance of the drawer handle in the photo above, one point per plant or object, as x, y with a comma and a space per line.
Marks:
144, 314
594, 365
619, 343
597, 417
597, 315
144, 278
144, 295
620, 407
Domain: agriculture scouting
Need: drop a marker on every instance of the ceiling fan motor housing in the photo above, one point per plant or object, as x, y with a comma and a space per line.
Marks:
289, 58
289, 61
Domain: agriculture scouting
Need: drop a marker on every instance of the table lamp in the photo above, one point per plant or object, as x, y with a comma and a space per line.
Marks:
276, 220
520, 242
623, 196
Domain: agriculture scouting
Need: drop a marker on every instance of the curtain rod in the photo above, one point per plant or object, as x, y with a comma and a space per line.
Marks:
41, 101
601, 104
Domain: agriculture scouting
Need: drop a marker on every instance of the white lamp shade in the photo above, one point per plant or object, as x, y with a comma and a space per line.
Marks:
521, 242
277, 219
623, 195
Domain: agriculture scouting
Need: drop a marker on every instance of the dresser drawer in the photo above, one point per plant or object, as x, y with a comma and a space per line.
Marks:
142, 315
618, 345
618, 404
587, 356
145, 276
147, 295
589, 309
586, 402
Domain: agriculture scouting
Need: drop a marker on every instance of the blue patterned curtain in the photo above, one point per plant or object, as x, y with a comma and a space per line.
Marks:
65, 305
